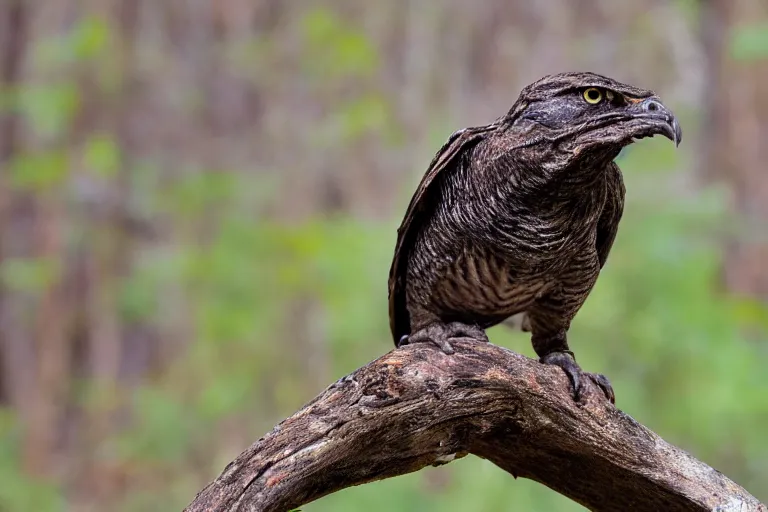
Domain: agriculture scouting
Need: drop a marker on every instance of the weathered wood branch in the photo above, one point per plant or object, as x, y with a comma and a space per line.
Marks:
416, 407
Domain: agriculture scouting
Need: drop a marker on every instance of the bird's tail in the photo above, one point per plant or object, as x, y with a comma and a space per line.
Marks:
519, 321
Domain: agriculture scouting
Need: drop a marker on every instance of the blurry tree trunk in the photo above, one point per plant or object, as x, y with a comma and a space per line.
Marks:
14, 380
735, 132
52, 341
109, 256
13, 45
33, 363
50, 324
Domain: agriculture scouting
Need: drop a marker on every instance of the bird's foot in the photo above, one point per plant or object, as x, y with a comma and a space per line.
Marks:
442, 335
565, 360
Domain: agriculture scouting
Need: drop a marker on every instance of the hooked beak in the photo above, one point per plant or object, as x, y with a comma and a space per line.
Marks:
658, 119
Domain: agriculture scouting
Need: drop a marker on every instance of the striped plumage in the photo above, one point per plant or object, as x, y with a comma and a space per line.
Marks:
519, 216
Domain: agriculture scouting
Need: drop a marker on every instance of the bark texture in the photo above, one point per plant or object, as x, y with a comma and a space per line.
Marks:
416, 406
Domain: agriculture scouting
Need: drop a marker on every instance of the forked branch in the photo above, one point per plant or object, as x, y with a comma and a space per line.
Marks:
416, 406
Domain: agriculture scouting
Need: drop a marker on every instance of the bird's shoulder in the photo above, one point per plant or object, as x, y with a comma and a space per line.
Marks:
444, 161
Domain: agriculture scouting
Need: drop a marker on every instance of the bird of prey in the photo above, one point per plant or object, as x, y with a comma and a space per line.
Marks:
518, 217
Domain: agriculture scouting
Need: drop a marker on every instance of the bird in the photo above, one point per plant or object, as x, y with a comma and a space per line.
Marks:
515, 219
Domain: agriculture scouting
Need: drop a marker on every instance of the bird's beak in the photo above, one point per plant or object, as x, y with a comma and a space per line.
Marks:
660, 120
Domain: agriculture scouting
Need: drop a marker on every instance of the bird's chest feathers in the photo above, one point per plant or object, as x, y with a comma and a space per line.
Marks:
510, 254
515, 239
546, 232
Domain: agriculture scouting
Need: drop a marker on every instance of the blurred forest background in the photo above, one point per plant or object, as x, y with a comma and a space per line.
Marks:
198, 203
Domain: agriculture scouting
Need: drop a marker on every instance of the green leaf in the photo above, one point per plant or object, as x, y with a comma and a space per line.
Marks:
102, 155
89, 38
39, 170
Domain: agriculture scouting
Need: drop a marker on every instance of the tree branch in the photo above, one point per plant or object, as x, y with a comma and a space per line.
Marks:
416, 406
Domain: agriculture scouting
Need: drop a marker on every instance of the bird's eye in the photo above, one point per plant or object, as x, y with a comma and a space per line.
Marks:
593, 95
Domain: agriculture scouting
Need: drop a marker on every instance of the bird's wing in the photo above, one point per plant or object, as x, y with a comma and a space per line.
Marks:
608, 224
444, 161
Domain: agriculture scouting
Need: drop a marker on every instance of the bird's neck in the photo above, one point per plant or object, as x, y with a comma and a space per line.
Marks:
571, 176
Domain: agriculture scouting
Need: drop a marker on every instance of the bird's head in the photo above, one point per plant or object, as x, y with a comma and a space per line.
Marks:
585, 112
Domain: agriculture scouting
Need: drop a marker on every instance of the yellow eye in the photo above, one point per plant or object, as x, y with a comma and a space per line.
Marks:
593, 95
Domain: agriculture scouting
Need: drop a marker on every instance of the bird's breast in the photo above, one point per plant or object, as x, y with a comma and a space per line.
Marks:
490, 285
483, 265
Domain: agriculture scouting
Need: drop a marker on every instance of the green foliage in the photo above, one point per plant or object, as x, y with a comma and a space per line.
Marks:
162, 428
197, 192
37, 171
750, 42
49, 108
28, 275
339, 49
19, 492
87, 40
139, 292
101, 155
338, 55
367, 114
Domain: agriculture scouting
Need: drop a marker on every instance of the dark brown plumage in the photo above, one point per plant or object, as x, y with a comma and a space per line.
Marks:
519, 216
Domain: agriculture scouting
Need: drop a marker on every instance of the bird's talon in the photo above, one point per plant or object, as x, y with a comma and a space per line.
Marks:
604, 384
566, 361
458, 330
444, 346
443, 335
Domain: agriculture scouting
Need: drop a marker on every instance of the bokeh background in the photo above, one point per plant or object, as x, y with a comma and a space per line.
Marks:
198, 204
